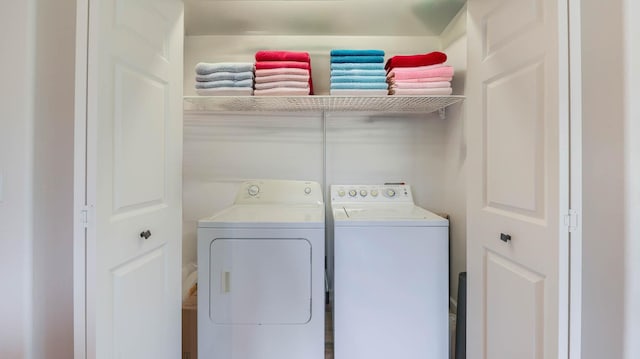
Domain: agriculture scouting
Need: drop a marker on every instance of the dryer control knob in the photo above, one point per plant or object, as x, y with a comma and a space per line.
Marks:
341, 193
390, 192
363, 192
307, 190
374, 193
353, 193
253, 190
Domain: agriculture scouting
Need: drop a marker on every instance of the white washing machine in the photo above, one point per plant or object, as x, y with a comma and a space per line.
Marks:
391, 275
261, 274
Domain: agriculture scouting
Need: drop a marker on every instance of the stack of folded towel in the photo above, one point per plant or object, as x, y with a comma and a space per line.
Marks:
423, 74
283, 73
358, 73
224, 79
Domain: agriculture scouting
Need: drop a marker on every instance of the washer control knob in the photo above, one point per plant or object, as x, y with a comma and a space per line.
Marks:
253, 190
374, 193
363, 192
352, 193
390, 192
341, 193
307, 190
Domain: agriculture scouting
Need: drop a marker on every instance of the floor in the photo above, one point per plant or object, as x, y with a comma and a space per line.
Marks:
328, 333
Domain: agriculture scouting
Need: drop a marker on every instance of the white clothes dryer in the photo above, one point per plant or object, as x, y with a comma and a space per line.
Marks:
261, 274
391, 275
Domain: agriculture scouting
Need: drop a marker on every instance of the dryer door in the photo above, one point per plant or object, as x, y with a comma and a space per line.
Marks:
260, 281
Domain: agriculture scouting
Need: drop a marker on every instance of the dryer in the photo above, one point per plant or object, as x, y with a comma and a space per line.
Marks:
391, 275
261, 274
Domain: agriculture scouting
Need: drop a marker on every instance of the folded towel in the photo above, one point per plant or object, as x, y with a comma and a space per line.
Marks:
361, 79
265, 55
357, 66
415, 68
348, 52
431, 58
419, 85
282, 71
444, 71
276, 84
226, 91
282, 64
392, 80
282, 91
224, 83
275, 78
224, 75
357, 59
360, 85
423, 92
204, 68
354, 92
358, 73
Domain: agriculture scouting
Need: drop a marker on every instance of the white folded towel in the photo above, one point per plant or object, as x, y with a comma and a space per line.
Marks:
225, 75
281, 71
282, 91
226, 91
276, 78
338, 92
276, 84
204, 68
422, 92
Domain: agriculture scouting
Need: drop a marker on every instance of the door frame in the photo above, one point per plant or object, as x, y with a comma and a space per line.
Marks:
80, 182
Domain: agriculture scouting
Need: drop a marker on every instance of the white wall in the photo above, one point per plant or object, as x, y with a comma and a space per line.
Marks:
632, 112
53, 180
603, 180
16, 142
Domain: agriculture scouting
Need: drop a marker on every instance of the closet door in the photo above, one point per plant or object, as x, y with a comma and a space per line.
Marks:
133, 95
518, 179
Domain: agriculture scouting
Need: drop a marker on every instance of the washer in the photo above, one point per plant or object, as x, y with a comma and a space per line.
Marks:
261, 274
391, 275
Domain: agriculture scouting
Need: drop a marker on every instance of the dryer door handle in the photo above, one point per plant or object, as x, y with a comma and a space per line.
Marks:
226, 282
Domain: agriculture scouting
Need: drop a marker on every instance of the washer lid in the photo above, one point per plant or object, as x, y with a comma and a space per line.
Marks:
387, 215
289, 216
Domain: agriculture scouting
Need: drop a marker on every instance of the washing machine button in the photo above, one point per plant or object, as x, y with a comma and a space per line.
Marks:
253, 190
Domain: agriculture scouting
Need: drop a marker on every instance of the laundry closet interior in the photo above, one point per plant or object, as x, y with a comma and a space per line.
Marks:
226, 143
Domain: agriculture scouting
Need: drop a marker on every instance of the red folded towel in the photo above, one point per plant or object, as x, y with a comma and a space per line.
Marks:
431, 58
282, 56
282, 64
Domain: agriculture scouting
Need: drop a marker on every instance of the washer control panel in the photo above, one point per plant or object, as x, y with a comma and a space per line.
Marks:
390, 192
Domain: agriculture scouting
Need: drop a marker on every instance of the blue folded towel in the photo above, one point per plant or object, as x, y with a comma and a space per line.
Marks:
357, 59
346, 52
358, 66
204, 68
224, 83
359, 85
225, 75
358, 73
361, 79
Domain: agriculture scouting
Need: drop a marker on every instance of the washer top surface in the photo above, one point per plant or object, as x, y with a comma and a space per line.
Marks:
380, 205
272, 203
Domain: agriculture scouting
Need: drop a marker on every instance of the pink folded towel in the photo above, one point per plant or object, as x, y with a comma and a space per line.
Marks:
282, 71
421, 79
276, 84
423, 92
282, 64
276, 78
282, 91
265, 55
444, 71
419, 85
415, 68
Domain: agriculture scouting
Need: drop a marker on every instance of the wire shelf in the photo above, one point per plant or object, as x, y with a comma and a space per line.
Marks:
389, 104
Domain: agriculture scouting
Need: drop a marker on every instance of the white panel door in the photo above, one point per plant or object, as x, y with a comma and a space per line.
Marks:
133, 178
518, 184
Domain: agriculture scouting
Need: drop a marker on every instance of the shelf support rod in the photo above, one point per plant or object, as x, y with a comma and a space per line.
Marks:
324, 155
442, 113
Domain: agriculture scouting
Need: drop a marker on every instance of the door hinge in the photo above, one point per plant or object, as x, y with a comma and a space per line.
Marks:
571, 220
84, 216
